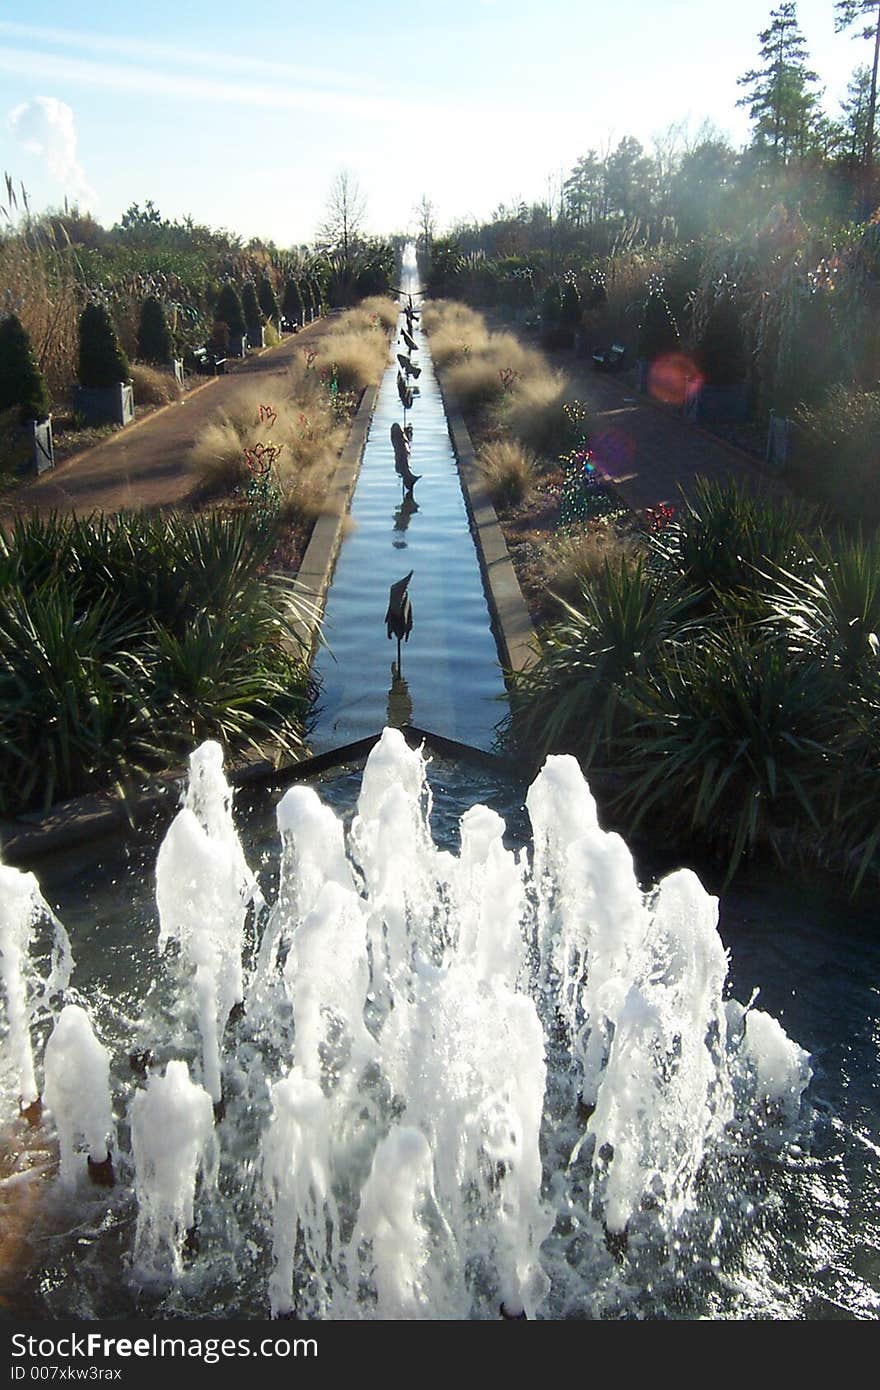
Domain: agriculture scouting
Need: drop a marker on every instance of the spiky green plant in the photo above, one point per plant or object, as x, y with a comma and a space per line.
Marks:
572, 699
831, 609
733, 740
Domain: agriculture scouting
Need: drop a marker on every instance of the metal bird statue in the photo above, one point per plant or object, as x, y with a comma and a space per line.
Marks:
408, 366
404, 392
399, 618
410, 342
401, 458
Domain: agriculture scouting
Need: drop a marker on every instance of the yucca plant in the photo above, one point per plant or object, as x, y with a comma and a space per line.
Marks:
724, 539
831, 609
70, 700
216, 680
573, 698
733, 740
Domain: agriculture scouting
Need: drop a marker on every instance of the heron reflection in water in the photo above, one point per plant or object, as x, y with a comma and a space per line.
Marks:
399, 709
408, 507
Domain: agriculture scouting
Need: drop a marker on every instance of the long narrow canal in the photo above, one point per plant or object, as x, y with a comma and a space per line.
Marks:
451, 679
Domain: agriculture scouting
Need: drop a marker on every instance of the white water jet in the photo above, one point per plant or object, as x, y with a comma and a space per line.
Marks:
408, 1009
296, 1178
27, 991
77, 1091
173, 1144
204, 889
392, 1240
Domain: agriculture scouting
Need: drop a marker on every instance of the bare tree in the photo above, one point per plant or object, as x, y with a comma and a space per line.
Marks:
346, 205
427, 224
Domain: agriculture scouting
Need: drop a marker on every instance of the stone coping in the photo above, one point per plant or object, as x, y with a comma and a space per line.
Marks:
514, 633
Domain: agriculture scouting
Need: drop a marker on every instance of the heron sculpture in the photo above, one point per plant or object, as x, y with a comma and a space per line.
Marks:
401, 458
399, 618
404, 392
408, 367
410, 342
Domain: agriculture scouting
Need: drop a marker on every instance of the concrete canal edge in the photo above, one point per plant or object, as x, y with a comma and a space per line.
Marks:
316, 569
511, 623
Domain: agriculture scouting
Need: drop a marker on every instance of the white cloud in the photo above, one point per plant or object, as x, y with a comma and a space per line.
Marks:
45, 127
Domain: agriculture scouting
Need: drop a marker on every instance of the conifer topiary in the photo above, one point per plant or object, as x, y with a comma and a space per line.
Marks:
292, 304
251, 309
721, 351
21, 382
570, 308
229, 310
266, 297
102, 362
657, 331
154, 341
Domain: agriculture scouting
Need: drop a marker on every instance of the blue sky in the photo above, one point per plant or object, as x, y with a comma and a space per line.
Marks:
242, 115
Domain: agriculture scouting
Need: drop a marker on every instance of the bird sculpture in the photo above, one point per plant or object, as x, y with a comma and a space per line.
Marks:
404, 392
408, 367
399, 617
401, 458
410, 342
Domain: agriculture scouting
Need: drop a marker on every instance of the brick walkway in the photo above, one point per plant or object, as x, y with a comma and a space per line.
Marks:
145, 465
649, 450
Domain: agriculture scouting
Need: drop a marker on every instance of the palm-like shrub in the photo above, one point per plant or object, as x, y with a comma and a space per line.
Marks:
573, 698
22, 386
102, 362
733, 740
725, 540
831, 608
122, 642
154, 342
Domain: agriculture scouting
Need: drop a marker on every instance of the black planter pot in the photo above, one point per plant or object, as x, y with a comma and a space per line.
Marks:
256, 338
100, 404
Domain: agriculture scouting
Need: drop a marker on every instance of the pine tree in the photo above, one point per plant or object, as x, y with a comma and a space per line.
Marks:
779, 101
846, 12
21, 381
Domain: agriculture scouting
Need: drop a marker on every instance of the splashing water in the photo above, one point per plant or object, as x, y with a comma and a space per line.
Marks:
77, 1090
457, 1077
28, 982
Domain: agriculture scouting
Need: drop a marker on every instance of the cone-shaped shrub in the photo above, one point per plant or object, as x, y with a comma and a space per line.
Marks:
229, 310
721, 352
657, 332
292, 304
101, 360
21, 381
251, 309
154, 341
266, 297
551, 305
570, 309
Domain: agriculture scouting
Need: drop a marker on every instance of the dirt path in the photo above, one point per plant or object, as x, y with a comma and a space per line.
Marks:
145, 465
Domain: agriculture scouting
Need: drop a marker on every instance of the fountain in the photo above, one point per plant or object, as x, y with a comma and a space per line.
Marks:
459, 1082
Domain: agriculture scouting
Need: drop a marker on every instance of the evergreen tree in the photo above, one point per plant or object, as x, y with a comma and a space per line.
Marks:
21, 381
229, 310
846, 12
101, 360
779, 100
292, 304
154, 341
251, 309
268, 302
